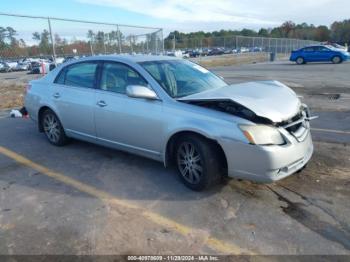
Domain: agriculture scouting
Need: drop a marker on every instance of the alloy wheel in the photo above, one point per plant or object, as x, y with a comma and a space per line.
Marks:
336, 60
189, 163
300, 60
51, 128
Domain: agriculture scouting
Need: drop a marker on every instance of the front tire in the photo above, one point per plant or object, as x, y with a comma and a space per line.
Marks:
336, 60
300, 61
53, 128
197, 163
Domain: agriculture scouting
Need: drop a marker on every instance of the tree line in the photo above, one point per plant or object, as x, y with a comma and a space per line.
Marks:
99, 42
338, 32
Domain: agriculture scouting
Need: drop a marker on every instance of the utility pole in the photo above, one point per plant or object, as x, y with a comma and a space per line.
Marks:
119, 40
52, 41
91, 50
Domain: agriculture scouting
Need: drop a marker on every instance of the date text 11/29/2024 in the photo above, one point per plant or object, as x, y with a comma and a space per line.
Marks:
173, 258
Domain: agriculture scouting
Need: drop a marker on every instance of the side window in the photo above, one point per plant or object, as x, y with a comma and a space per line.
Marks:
116, 77
323, 49
308, 49
80, 75
60, 78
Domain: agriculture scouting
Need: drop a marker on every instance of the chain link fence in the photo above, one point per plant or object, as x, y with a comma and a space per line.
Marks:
49, 37
235, 44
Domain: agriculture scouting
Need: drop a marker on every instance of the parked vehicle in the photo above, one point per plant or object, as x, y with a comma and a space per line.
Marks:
176, 53
216, 51
336, 46
256, 49
243, 50
40, 67
69, 58
4, 67
205, 51
59, 60
11, 65
21, 66
185, 54
176, 112
228, 51
192, 53
319, 53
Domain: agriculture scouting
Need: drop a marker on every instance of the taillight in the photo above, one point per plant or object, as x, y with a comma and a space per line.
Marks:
28, 87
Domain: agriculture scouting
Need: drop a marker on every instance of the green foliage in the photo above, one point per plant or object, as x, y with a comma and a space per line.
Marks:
7, 37
44, 41
339, 32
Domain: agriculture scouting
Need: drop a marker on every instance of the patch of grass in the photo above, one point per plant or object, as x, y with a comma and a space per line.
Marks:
235, 59
11, 95
229, 60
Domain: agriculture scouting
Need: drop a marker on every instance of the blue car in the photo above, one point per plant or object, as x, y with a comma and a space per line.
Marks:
319, 53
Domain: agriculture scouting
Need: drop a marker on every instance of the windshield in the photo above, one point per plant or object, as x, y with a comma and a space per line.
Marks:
182, 78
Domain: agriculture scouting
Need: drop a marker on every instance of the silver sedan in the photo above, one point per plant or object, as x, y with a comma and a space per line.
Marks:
176, 112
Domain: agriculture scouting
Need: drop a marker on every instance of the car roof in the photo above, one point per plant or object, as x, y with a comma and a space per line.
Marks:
313, 46
129, 58
329, 46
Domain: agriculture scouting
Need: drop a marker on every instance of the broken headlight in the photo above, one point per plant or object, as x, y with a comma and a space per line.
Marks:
262, 135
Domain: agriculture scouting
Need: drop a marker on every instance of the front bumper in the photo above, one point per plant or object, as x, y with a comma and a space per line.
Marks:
266, 164
346, 58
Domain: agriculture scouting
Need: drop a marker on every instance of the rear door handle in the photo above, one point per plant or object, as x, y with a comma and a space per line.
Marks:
57, 95
101, 103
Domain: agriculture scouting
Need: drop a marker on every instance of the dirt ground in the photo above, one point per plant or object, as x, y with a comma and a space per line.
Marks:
233, 59
12, 88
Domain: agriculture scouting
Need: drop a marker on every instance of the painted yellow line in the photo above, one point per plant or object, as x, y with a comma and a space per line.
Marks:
216, 244
331, 131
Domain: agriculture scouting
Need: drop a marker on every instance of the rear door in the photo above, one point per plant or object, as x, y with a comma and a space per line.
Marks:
74, 97
133, 124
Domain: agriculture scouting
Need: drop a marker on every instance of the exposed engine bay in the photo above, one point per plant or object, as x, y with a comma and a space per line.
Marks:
233, 108
292, 125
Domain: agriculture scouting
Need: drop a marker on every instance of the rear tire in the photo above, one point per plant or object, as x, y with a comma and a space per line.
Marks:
300, 60
336, 60
197, 163
53, 128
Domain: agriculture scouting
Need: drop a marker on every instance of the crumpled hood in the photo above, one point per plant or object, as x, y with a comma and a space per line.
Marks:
269, 99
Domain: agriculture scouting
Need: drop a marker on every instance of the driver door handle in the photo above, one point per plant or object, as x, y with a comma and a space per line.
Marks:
56, 95
101, 103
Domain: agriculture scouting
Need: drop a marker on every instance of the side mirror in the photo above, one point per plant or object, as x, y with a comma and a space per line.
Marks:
137, 91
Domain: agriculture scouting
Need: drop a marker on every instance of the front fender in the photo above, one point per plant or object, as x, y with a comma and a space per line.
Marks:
214, 130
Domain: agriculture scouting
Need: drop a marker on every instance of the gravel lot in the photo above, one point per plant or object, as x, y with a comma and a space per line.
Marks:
86, 199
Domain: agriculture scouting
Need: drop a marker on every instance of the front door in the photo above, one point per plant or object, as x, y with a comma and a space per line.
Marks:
132, 124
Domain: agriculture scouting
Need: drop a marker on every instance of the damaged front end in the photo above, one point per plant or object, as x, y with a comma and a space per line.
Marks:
297, 126
233, 108
279, 129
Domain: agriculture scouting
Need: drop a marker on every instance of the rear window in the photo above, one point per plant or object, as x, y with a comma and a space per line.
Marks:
79, 75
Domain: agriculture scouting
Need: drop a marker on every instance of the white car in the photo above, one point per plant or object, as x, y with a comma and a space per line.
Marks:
11, 65
21, 66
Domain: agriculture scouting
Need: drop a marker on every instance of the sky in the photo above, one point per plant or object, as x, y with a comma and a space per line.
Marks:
181, 15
